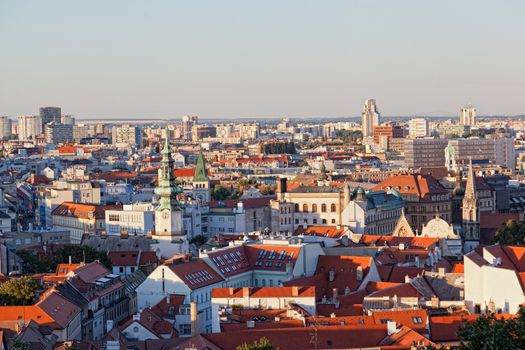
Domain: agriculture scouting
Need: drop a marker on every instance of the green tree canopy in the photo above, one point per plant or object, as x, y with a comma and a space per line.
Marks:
494, 333
261, 344
513, 233
45, 264
20, 291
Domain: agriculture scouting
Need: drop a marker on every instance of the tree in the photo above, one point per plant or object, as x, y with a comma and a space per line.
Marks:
261, 344
220, 193
19, 291
513, 233
45, 264
199, 240
494, 333
18, 345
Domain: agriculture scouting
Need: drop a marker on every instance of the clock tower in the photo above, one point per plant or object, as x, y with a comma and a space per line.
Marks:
169, 234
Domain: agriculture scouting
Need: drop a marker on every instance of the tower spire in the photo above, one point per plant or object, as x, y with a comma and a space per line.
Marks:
167, 188
470, 190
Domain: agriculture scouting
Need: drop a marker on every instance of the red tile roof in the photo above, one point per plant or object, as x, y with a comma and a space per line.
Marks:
132, 258
196, 274
397, 274
152, 322
320, 231
445, 328
168, 307
403, 290
264, 292
84, 211
271, 257
413, 184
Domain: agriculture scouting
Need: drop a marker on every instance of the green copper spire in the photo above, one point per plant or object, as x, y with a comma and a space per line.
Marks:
200, 170
167, 189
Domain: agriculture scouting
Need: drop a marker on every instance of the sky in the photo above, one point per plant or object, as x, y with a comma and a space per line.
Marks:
272, 58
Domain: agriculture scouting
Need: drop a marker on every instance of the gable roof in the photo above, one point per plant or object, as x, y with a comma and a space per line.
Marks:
424, 186
84, 211
196, 274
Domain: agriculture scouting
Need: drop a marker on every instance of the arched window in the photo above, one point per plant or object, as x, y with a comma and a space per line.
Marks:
323, 208
296, 207
314, 208
305, 208
332, 208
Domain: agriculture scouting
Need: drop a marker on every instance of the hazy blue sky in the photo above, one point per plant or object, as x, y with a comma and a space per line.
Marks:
221, 58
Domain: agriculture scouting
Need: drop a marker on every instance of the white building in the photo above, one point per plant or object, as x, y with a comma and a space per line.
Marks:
56, 133
418, 127
29, 126
132, 220
127, 135
495, 279
195, 280
370, 117
260, 298
5, 127
467, 115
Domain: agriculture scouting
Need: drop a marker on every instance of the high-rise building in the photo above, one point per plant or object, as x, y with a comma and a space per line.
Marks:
50, 114
67, 119
127, 135
5, 127
29, 126
467, 115
248, 131
425, 153
370, 117
58, 133
418, 127
186, 125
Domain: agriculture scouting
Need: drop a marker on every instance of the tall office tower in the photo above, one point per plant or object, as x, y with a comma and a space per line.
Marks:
50, 114
58, 133
5, 127
29, 126
67, 119
467, 115
370, 117
418, 127
186, 125
127, 135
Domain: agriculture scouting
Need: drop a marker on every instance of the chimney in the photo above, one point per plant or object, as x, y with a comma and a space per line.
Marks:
230, 291
359, 273
401, 246
391, 327
295, 291
441, 271
344, 240
335, 294
193, 318
70, 260
168, 299
250, 324
281, 185
245, 291
109, 325
331, 275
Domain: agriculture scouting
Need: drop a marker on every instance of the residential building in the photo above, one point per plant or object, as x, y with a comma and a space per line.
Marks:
418, 127
494, 279
498, 151
56, 133
67, 119
248, 131
388, 131
29, 127
126, 263
131, 220
260, 298
467, 115
370, 117
194, 280
127, 136
186, 126
81, 219
5, 128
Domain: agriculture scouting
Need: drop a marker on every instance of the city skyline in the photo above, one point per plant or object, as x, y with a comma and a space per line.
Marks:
298, 59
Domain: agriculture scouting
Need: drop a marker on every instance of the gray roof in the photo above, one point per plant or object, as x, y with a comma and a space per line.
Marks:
316, 189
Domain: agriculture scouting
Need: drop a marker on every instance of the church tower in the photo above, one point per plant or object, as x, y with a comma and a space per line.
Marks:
201, 182
168, 215
470, 208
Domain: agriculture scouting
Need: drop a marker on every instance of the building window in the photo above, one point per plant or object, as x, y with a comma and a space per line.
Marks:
314, 208
417, 320
323, 208
305, 208
332, 208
